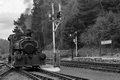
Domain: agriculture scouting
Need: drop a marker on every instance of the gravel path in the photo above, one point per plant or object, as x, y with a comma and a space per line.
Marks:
90, 74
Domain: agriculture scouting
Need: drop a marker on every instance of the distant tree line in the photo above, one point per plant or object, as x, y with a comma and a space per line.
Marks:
4, 47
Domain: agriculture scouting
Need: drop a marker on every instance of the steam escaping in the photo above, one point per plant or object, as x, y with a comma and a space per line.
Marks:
27, 1
20, 28
27, 11
29, 4
28, 21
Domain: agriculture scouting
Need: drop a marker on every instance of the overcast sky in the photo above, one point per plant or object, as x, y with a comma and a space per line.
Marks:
9, 10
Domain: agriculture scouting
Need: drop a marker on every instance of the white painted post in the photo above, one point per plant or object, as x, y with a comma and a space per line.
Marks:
59, 7
53, 26
76, 43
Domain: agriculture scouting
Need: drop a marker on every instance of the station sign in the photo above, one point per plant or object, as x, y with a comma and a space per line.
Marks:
106, 42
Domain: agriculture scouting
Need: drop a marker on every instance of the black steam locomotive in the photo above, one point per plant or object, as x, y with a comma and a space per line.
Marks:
24, 51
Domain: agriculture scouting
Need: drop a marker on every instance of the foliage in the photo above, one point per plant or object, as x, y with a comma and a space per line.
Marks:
20, 22
88, 11
105, 28
17, 30
4, 46
37, 22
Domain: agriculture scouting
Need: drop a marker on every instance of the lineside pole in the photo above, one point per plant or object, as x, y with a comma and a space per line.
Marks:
76, 43
53, 26
56, 57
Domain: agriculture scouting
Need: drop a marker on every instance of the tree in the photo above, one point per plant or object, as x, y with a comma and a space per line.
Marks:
17, 30
4, 46
110, 5
37, 22
20, 22
88, 11
105, 28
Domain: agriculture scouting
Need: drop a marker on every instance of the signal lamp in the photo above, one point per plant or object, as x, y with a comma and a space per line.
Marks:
59, 15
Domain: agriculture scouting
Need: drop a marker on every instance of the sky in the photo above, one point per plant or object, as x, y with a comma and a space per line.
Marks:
10, 10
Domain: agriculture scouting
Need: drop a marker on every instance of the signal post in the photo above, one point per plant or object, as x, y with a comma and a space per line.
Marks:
56, 20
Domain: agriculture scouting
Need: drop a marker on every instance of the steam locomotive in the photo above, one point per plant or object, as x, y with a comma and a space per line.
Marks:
24, 51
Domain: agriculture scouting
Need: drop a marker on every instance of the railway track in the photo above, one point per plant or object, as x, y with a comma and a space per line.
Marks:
32, 77
1, 65
76, 78
10, 70
55, 76
39, 74
94, 66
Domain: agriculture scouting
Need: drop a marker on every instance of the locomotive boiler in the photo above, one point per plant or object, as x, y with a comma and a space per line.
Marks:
25, 52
